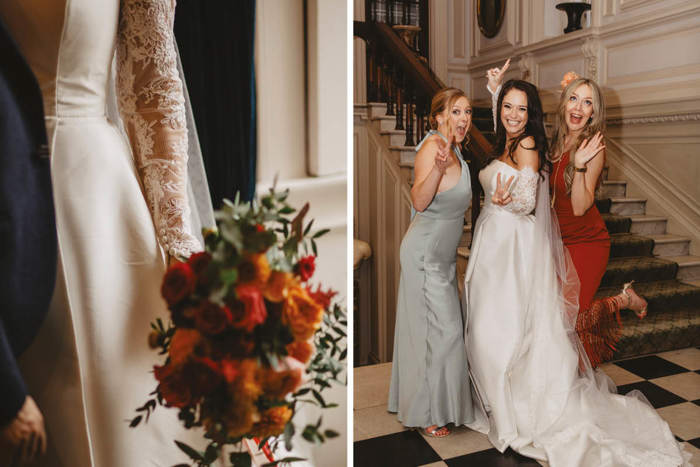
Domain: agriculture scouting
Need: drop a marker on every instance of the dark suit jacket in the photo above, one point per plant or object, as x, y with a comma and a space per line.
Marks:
27, 226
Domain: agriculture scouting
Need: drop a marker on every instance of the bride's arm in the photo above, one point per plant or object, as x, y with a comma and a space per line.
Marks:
151, 103
494, 84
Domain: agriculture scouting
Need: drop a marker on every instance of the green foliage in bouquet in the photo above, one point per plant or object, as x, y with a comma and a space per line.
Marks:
248, 340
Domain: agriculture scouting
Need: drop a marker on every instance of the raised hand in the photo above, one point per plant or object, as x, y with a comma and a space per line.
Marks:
502, 196
25, 433
443, 156
588, 149
495, 75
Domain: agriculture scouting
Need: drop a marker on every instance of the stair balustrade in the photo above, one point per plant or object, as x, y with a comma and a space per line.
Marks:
399, 76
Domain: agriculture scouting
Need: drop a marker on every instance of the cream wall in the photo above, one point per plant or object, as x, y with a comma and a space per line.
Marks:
302, 138
644, 54
281, 106
328, 82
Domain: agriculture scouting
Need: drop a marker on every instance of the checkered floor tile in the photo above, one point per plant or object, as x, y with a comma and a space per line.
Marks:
670, 380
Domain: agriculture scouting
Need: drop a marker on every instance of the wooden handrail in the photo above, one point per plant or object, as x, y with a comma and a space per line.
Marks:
400, 77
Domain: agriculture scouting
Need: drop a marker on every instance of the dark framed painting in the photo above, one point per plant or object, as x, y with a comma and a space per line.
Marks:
490, 14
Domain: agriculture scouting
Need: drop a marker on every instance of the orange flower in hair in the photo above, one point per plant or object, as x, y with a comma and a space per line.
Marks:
568, 78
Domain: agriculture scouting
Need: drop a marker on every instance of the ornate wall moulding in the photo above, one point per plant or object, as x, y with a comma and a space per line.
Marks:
682, 117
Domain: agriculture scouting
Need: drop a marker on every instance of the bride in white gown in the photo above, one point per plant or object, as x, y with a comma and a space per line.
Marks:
537, 392
121, 210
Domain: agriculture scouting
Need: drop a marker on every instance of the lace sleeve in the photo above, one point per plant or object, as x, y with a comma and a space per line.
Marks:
524, 193
494, 103
151, 103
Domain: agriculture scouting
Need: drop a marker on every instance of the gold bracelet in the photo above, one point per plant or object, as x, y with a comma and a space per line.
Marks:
580, 169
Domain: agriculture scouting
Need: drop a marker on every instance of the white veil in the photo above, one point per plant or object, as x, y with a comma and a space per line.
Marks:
574, 412
198, 197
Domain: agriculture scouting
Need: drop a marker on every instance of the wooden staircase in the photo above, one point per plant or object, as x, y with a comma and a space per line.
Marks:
641, 250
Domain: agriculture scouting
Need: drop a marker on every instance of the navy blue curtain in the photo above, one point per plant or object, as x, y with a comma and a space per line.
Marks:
216, 39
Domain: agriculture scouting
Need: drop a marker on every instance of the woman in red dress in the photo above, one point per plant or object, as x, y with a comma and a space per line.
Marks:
576, 173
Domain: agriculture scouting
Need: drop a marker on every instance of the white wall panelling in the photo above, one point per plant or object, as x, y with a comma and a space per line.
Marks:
327, 36
382, 214
438, 31
279, 73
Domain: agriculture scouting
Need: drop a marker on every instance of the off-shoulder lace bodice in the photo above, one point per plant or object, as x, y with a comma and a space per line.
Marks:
152, 106
524, 193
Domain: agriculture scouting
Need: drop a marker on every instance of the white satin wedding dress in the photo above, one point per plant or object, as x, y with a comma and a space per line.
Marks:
119, 204
538, 394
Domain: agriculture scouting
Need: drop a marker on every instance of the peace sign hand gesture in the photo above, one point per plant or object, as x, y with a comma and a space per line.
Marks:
443, 157
502, 196
495, 75
588, 149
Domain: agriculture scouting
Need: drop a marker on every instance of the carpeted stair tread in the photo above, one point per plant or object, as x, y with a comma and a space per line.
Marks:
616, 223
603, 205
663, 296
638, 268
677, 328
626, 244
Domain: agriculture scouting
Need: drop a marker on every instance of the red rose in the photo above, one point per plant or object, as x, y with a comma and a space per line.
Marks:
186, 384
173, 385
321, 297
229, 369
204, 375
211, 318
253, 311
178, 283
305, 267
259, 228
198, 263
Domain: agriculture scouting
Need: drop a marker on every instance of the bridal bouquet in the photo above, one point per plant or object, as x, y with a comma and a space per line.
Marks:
249, 340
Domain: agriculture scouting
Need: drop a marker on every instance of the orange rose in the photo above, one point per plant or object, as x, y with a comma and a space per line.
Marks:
278, 285
277, 384
254, 268
302, 314
272, 422
182, 345
300, 350
247, 381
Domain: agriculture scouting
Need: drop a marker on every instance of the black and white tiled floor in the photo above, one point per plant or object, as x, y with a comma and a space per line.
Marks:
670, 380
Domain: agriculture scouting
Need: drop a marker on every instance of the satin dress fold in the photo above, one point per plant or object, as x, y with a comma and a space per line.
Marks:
537, 392
429, 380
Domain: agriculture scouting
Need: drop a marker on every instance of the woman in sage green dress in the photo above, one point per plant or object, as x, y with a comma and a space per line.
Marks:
429, 379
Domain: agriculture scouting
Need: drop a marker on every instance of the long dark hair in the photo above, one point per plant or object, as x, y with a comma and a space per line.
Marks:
534, 126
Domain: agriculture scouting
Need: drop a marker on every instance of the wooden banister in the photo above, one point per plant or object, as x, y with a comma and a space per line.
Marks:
397, 75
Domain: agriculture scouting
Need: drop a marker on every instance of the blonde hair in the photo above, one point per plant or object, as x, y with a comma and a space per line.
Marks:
595, 124
445, 99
